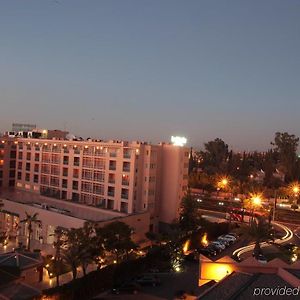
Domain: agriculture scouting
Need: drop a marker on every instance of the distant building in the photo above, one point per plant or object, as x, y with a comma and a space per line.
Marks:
57, 134
8, 153
23, 127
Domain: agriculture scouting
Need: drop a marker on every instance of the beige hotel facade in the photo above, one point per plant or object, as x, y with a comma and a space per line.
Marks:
111, 177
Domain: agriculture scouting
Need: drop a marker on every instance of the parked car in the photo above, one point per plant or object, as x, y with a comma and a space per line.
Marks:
209, 251
261, 258
224, 241
127, 288
233, 234
230, 239
148, 280
218, 244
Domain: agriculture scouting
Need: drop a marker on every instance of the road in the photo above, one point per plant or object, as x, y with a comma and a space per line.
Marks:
249, 248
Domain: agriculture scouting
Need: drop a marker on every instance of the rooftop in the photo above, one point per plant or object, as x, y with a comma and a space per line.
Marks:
71, 209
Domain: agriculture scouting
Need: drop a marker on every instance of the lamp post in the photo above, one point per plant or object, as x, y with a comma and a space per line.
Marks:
255, 201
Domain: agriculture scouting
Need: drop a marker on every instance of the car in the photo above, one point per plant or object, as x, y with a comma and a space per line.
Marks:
148, 280
127, 288
233, 234
218, 244
226, 242
209, 251
230, 237
261, 258
217, 248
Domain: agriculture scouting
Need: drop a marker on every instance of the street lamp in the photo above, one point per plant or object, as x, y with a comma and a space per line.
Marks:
255, 200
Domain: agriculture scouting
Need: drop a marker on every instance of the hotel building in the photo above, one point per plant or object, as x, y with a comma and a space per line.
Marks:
115, 178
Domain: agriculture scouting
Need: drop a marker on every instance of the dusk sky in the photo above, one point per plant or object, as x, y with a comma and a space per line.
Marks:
147, 70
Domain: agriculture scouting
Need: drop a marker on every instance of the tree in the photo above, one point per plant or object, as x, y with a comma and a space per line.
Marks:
60, 241
260, 231
70, 254
117, 239
189, 216
215, 156
30, 220
286, 145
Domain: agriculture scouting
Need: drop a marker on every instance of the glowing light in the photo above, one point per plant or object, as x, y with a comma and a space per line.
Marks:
256, 199
216, 271
224, 181
204, 241
178, 140
177, 269
47, 265
115, 261
186, 247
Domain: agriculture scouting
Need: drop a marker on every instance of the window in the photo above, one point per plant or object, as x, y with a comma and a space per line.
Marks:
28, 156
19, 175
75, 173
76, 161
36, 178
20, 155
111, 191
99, 163
65, 172
66, 160
112, 178
37, 157
65, 183
13, 154
12, 173
36, 167
126, 166
27, 177
75, 185
124, 194
86, 187
98, 189
12, 164
99, 176
27, 166
112, 165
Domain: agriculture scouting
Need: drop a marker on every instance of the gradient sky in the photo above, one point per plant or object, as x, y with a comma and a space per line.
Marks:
150, 69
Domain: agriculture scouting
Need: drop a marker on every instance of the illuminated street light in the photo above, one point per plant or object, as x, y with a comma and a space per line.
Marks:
256, 200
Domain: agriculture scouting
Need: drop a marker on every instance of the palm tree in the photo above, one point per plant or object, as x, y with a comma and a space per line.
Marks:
30, 220
260, 231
